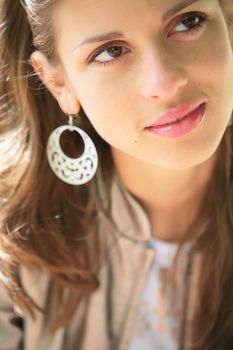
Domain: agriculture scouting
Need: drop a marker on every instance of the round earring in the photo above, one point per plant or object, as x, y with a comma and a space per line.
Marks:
74, 171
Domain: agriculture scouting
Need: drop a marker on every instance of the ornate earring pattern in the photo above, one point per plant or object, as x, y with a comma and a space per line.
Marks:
74, 171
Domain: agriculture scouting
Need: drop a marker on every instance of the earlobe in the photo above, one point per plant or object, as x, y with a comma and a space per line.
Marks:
68, 103
54, 79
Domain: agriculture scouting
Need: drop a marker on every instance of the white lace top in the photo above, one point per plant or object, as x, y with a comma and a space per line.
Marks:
158, 318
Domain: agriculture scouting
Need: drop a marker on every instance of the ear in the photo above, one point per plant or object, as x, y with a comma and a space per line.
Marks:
54, 78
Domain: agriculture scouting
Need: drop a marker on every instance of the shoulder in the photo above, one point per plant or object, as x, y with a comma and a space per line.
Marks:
35, 283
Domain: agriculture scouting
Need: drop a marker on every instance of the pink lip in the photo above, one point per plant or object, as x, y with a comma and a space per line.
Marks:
175, 114
178, 125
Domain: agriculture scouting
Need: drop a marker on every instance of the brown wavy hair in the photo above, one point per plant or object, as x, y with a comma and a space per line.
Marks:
36, 207
40, 214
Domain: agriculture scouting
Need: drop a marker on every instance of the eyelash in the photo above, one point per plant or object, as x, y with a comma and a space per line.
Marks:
203, 18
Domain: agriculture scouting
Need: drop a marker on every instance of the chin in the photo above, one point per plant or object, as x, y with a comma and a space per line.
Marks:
179, 163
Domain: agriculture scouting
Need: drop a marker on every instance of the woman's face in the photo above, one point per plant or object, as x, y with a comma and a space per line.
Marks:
157, 60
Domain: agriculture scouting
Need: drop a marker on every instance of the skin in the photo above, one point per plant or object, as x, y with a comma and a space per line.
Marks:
162, 65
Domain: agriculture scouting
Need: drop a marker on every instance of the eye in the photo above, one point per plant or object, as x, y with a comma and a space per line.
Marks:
190, 23
109, 55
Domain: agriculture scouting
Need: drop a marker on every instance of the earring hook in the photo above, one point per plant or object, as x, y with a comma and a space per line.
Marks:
71, 122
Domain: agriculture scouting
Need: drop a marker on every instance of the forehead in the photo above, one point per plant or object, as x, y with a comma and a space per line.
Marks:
83, 18
76, 20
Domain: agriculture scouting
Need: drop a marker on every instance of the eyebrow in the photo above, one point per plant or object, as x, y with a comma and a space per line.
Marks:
177, 8
115, 35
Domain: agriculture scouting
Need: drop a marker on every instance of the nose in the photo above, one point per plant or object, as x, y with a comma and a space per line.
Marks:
163, 77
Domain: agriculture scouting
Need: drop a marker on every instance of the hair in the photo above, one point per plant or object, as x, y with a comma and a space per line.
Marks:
39, 212
36, 207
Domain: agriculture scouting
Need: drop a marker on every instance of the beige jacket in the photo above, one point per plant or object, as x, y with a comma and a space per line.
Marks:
105, 321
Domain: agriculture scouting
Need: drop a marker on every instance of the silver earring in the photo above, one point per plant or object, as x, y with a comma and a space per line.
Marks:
74, 171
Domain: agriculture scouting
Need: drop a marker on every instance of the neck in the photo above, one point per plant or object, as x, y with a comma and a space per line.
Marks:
172, 199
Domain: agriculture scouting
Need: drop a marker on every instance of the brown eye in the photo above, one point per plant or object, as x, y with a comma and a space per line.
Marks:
191, 22
114, 51
109, 55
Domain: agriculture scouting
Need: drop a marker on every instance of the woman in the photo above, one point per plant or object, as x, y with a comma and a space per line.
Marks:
116, 224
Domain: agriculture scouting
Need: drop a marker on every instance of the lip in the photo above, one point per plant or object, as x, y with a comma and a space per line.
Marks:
175, 114
181, 126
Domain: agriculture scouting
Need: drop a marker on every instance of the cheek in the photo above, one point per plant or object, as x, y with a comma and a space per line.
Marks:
106, 106
213, 64
220, 72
